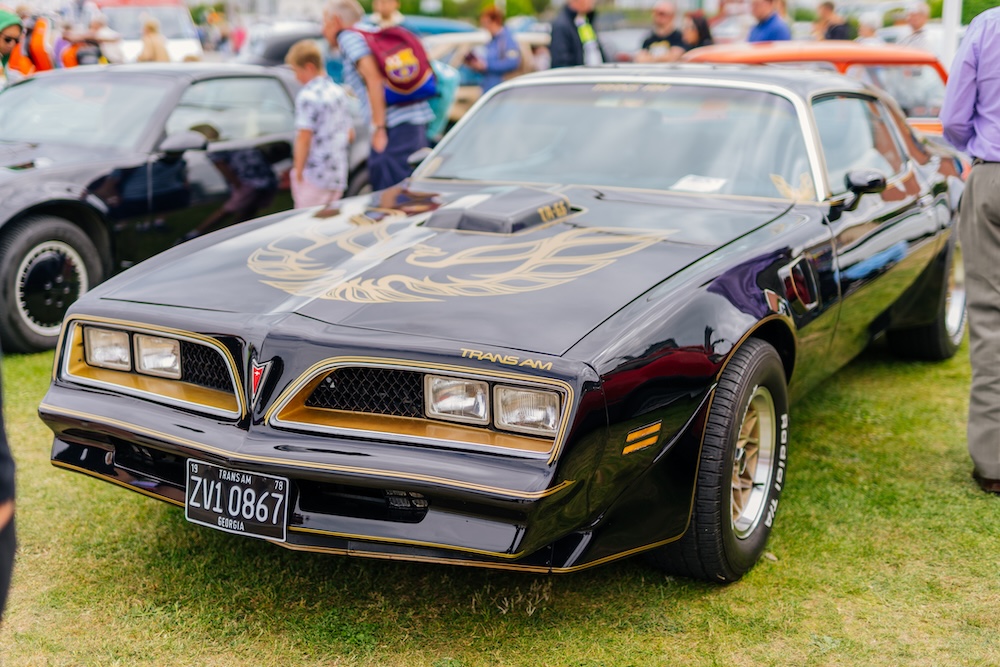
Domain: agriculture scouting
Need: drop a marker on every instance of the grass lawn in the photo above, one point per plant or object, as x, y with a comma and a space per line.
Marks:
884, 553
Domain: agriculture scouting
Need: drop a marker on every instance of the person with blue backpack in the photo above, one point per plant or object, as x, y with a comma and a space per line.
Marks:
388, 71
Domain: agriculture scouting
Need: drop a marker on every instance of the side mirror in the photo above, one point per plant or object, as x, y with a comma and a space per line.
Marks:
861, 182
864, 181
418, 156
189, 140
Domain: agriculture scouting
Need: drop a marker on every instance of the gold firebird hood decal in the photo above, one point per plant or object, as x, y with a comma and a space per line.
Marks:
291, 263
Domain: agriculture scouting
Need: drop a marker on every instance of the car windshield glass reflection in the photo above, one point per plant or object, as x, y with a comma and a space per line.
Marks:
696, 139
175, 22
85, 111
918, 89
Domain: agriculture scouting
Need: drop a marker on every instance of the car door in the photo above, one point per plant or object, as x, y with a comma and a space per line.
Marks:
241, 171
883, 239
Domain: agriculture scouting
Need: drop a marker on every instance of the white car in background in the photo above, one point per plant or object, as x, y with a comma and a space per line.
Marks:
126, 17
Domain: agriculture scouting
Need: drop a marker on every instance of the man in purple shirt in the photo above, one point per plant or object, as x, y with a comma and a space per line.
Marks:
971, 119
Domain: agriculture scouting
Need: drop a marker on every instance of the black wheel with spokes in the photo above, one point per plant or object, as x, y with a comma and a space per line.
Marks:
46, 263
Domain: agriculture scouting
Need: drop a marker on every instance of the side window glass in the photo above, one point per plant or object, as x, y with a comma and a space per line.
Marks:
855, 135
232, 109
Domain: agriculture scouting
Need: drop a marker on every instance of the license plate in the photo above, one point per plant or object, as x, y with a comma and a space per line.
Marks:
245, 503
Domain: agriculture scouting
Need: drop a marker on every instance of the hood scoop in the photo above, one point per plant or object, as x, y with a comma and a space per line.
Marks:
506, 210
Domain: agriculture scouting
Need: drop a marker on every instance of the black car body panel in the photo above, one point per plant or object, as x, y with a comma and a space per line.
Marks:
628, 304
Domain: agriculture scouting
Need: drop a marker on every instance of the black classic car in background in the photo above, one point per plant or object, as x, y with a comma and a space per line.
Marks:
105, 167
571, 337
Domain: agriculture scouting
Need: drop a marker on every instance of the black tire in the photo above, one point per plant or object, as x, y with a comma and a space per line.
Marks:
725, 537
46, 263
359, 183
940, 339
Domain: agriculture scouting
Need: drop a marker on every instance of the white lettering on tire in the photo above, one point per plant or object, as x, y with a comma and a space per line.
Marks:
779, 475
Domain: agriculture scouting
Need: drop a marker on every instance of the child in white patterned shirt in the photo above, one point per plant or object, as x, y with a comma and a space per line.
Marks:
324, 130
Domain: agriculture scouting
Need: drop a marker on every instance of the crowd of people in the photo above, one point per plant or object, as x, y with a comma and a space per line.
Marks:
43, 43
576, 42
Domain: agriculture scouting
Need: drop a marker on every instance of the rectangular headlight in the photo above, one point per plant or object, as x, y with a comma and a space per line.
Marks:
457, 400
158, 356
107, 348
534, 411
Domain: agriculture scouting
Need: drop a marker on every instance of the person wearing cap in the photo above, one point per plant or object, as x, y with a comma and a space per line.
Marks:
970, 116
11, 30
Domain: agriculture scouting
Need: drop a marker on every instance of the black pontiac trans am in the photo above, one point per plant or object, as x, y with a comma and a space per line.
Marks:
572, 336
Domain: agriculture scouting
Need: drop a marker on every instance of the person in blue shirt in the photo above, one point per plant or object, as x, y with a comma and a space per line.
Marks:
503, 55
770, 26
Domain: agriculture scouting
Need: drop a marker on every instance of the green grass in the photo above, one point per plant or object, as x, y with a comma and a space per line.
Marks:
885, 553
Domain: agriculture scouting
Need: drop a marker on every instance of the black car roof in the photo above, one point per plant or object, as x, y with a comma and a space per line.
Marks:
801, 81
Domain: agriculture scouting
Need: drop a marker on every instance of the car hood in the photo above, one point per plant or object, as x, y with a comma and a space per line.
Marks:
520, 268
21, 156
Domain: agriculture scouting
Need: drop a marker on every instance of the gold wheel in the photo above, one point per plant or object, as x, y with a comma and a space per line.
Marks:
752, 462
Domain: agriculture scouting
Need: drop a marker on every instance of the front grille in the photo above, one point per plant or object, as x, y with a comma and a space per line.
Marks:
205, 367
379, 391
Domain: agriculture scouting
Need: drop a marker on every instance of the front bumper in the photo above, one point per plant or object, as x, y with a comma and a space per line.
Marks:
337, 505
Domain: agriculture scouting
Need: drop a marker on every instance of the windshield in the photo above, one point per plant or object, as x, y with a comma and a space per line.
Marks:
680, 138
175, 22
918, 89
83, 110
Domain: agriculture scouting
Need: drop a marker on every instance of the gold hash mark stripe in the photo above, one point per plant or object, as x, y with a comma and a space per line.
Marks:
643, 432
350, 470
642, 444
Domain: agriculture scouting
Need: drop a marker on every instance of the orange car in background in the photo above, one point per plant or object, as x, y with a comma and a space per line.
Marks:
914, 78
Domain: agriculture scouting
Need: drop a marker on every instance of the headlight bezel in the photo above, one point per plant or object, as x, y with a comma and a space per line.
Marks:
289, 411
493, 388
228, 402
